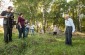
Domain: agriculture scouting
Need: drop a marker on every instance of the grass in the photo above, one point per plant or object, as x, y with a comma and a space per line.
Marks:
42, 44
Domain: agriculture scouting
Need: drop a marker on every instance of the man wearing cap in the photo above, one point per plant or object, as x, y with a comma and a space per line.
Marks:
69, 29
7, 24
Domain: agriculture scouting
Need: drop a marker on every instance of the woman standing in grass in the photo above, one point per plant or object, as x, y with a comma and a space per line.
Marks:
21, 25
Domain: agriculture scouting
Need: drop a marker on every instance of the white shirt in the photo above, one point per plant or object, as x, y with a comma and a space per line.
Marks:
27, 26
55, 29
32, 27
69, 22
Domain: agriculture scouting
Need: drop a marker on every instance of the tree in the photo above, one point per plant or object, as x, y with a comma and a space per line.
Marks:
50, 11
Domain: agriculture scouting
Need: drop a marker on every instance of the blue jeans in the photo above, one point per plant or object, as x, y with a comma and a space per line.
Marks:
26, 31
32, 31
21, 31
68, 35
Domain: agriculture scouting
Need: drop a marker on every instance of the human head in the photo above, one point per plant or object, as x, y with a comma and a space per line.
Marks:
10, 8
54, 25
21, 14
26, 21
66, 16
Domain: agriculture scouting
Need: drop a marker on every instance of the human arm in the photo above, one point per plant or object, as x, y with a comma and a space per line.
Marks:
73, 26
19, 22
65, 27
3, 15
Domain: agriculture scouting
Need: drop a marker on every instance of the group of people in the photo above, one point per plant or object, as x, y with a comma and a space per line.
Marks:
69, 29
23, 26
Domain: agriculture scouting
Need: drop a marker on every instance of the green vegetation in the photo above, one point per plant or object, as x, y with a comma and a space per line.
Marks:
40, 44
44, 14
50, 12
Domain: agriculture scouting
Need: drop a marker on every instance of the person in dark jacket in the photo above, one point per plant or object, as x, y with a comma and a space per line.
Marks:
7, 23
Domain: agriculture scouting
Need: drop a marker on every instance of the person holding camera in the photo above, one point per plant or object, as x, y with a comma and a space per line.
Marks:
7, 24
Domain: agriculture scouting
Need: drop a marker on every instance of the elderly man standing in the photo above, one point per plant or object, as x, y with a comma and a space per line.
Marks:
69, 29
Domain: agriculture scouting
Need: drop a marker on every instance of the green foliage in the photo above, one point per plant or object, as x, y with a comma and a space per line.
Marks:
32, 10
40, 44
13, 48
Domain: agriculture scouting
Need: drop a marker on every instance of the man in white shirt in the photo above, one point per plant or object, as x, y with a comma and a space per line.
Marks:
69, 29
32, 29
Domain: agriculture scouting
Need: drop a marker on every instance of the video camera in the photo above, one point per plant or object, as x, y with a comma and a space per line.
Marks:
10, 16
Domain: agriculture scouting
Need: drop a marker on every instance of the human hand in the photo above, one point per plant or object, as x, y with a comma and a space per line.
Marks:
73, 33
5, 16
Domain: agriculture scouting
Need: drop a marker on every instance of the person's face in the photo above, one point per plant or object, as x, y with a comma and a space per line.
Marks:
54, 25
10, 9
66, 17
21, 15
26, 21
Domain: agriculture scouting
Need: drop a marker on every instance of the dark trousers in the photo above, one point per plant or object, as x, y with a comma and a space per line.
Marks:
54, 33
26, 31
7, 34
21, 31
68, 35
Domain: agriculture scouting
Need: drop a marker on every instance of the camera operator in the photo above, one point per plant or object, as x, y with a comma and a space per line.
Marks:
7, 24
